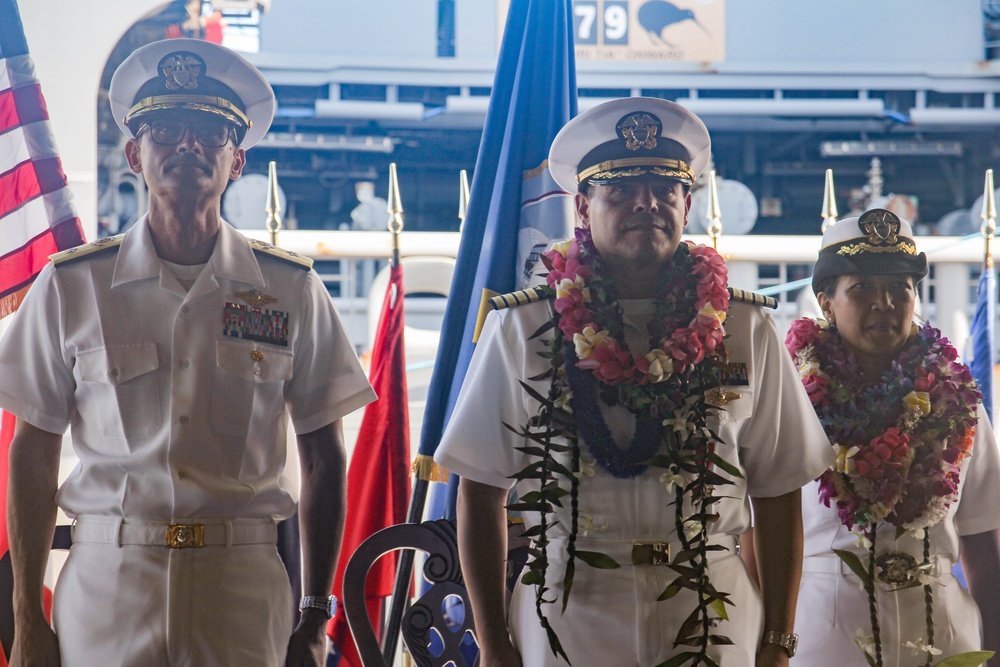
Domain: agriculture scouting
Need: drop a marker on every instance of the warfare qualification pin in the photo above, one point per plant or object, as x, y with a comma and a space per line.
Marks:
255, 298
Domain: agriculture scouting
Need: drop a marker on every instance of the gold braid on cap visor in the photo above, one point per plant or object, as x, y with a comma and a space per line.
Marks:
217, 105
634, 166
903, 246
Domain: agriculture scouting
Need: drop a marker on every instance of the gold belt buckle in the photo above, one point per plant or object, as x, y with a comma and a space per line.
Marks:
895, 568
180, 536
651, 553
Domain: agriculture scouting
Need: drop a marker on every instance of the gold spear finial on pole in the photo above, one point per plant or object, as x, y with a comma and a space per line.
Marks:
989, 215
714, 214
463, 198
273, 204
829, 213
395, 211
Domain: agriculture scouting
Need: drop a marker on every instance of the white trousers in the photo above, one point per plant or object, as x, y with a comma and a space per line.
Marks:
614, 619
153, 606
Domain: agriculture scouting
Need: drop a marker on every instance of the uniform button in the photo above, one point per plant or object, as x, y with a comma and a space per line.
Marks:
646, 532
256, 370
185, 363
185, 419
257, 355
185, 309
113, 372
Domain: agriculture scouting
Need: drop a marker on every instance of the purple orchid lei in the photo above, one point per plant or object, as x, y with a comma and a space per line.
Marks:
900, 441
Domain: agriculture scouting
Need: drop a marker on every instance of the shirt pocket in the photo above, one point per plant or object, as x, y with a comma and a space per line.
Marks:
119, 390
249, 385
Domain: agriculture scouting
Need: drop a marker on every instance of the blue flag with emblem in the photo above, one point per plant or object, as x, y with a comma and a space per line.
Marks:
981, 335
515, 208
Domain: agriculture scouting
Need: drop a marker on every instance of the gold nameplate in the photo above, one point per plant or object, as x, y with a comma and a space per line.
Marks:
180, 536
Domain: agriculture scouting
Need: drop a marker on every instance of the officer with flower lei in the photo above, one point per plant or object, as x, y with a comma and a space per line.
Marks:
640, 407
915, 484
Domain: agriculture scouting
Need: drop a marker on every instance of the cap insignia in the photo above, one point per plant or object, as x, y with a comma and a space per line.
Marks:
880, 226
639, 130
181, 70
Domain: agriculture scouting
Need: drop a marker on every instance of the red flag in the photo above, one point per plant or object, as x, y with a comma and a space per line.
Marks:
378, 479
37, 216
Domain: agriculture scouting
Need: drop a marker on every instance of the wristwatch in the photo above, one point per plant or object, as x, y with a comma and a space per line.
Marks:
786, 640
327, 603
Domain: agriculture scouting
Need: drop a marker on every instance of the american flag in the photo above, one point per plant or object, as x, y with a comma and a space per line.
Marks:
37, 218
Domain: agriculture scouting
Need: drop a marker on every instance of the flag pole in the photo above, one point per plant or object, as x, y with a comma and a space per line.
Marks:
829, 213
404, 568
395, 211
984, 321
273, 205
714, 214
463, 198
989, 215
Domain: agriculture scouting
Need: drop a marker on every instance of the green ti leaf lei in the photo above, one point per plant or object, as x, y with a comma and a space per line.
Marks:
693, 471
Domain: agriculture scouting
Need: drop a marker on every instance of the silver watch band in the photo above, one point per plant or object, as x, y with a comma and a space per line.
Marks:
326, 603
786, 640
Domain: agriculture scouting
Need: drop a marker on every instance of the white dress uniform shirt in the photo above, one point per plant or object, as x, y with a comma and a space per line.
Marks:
177, 398
613, 617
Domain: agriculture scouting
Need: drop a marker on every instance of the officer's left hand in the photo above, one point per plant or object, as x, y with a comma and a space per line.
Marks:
772, 655
307, 645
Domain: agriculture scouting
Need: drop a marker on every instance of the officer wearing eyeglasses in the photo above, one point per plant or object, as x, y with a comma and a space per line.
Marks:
177, 352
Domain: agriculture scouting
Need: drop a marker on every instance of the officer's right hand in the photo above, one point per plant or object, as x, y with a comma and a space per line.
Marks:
35, 647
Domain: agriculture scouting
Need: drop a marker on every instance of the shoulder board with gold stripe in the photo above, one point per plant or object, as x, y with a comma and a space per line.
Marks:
736, 294
86, 250
280, 254
520, 297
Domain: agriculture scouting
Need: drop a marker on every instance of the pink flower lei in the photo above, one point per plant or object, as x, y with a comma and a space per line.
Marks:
609, 358
900, 442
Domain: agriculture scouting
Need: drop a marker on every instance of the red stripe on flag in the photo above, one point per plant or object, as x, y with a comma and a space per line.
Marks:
50, 174
22, 265
20, 106
30, 104
8, 111
18, 186
378, 480
68, 234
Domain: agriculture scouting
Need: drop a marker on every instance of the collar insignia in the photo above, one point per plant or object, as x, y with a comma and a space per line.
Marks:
639, 130
880, 226
255, 298
181, 70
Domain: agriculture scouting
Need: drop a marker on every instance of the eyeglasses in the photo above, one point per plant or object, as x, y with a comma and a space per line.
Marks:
168, 132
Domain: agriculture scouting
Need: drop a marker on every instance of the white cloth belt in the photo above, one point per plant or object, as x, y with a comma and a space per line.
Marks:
183, 534
832, 564
623, 552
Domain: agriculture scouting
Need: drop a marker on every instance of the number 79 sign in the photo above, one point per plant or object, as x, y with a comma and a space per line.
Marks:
635, 30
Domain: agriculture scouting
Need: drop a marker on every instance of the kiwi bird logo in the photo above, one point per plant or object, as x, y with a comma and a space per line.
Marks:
656, 16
